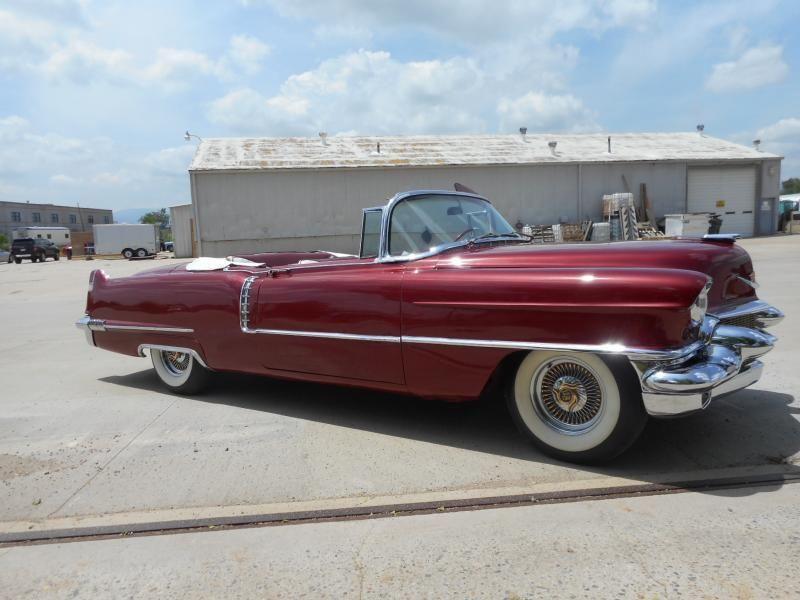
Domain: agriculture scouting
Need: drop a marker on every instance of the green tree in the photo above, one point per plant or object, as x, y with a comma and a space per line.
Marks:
3, 242
156, 217
791, 186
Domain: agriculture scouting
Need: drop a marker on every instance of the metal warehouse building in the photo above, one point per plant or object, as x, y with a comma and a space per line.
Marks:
302, 193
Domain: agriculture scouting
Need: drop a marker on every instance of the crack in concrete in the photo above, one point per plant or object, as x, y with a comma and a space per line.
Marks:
359, 566
114, 456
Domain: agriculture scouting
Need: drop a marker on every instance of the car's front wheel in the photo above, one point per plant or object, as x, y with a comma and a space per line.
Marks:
17, 260
576, 406
180, 371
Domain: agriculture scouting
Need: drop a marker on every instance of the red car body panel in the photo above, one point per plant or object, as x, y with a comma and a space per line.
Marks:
635, 294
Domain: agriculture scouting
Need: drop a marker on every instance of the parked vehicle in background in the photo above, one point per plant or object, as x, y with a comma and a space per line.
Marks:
35, 250
5, 256
169, 246
128, 240
60, 236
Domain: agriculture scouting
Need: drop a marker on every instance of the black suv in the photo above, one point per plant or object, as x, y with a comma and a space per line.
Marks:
35, 249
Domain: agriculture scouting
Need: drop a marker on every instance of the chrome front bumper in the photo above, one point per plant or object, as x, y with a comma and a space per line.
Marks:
726, 362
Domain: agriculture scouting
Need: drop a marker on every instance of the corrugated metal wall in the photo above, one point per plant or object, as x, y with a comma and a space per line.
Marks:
241, 212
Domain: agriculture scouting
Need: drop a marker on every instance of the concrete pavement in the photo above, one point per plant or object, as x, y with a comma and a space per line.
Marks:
731, 544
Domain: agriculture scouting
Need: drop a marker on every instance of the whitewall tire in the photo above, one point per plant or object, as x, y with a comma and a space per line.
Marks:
576, 406
179, 371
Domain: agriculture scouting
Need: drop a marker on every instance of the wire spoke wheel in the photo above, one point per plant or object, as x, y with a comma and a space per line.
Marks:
176, 362
568, 395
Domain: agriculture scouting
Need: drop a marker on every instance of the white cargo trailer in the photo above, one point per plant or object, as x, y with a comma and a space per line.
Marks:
128, 240
59, 235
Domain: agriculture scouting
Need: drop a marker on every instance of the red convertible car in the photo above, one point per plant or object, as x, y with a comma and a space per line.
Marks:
444, 301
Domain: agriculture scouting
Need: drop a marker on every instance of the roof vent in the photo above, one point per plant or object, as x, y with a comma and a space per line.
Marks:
324, 137
700, 128
552, 146
523, 131
756, 144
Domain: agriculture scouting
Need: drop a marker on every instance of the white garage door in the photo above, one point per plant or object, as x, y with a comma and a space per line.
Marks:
728, 191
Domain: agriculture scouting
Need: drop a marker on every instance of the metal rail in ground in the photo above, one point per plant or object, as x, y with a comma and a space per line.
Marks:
55, 536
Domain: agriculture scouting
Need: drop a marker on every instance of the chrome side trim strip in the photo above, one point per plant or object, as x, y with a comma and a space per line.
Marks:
194, 353
610, 348
90, 324
329, 335
155, 328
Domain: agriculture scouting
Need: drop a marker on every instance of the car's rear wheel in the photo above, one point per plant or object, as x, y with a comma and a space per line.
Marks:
576, 406
180, 371
141, 253
127, 253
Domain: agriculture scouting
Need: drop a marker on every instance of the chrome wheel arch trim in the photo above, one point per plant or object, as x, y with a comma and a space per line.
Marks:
193, 353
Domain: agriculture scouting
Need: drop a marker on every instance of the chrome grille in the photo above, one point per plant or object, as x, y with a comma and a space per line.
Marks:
742, 321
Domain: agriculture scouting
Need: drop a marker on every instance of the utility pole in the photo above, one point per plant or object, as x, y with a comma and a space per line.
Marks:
80, 214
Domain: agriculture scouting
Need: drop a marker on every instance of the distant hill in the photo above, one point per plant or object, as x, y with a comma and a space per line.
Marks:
131, 215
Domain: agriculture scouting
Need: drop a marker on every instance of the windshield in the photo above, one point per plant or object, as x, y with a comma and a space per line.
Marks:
424, 222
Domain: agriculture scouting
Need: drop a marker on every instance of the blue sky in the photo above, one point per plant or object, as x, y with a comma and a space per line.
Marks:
95, 95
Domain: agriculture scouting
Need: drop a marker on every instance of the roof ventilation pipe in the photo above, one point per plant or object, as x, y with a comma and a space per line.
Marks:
552, 146
324, 137
756, 144
523, 131
700, 128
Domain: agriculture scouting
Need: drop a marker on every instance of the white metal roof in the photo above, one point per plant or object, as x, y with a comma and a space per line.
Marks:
442, 150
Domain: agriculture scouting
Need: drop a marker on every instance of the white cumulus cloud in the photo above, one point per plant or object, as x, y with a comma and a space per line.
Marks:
757, 67
546, 112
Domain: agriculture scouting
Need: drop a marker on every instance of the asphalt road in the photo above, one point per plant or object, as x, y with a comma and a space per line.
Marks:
88, 438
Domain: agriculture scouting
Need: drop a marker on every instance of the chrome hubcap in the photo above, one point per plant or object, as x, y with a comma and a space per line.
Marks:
176, 363
567, 395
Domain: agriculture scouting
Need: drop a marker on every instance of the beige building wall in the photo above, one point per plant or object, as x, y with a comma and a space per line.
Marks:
245, 211
182, 218
83, 218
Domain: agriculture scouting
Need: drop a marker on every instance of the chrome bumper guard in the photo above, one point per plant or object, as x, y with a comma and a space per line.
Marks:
727, 362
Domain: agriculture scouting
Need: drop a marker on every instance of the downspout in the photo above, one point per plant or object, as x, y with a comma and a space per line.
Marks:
196, 232
580, 193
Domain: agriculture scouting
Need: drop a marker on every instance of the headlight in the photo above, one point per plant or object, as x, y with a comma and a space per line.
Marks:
697, 311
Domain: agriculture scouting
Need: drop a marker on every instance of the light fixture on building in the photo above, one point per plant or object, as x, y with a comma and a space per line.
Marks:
188, 136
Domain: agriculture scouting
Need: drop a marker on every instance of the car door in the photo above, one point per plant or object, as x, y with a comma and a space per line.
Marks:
338, 318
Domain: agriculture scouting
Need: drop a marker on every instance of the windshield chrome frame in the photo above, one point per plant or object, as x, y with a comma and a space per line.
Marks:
383, 246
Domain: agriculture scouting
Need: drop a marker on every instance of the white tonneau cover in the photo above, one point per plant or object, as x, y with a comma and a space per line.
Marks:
208, 263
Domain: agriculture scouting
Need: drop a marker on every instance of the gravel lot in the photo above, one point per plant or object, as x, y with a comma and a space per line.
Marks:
89, 438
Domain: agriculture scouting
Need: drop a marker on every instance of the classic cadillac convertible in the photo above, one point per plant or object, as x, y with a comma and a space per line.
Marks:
446, 300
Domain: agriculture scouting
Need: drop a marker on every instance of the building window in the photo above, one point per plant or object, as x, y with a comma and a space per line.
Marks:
90, 219
73, 219
16, 216
37, 217
106, 219
49, 236
66, 236
54, 217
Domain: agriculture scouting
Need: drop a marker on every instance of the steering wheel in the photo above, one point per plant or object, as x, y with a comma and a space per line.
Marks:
465, 232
